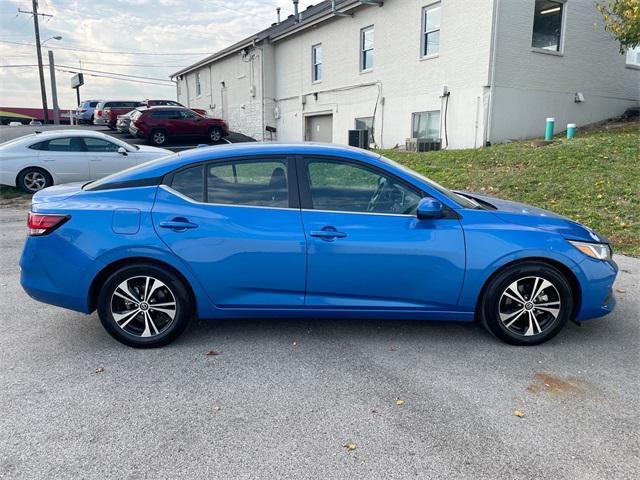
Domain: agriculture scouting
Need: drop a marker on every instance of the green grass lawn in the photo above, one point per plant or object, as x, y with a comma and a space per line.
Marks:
593, 179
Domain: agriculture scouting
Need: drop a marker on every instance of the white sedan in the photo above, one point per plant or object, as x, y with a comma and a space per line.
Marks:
39, 160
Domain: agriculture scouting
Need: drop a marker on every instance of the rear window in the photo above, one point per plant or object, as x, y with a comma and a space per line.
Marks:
122, 104
93, 104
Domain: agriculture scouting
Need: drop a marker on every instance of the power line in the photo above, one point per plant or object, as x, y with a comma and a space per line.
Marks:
101, 73
25, 55
109, 51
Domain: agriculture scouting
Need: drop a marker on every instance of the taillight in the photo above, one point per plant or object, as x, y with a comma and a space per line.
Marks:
42, 224
82, 110
99, 113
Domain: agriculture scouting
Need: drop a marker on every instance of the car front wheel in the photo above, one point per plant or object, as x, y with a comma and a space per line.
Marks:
144, 306
33, 179
527, 303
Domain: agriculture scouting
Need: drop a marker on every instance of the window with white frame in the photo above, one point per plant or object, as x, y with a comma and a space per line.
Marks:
366, 49
316, 62
547, 25
198, 86
633, 56
426, 124
431, 29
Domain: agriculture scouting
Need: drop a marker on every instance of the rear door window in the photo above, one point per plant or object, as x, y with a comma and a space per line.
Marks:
63, 144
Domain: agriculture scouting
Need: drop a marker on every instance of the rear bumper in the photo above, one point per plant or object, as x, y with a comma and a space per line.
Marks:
99, 121
40, 276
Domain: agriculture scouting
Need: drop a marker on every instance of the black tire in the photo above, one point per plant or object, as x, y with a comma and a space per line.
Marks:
158, 137
517, 321
135, 329
33, 179
215, 134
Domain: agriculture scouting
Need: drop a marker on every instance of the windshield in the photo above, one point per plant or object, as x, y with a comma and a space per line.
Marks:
464, 202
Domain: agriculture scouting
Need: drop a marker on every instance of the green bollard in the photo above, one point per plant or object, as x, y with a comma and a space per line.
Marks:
548, 133
571, 130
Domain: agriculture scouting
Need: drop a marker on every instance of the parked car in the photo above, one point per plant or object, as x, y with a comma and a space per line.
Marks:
274, 230
39, 160
111, 112
158, 124
124, 121
106, 112
84, 112
170, 103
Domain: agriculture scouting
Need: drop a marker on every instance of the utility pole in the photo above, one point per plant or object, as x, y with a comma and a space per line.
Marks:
54, 89
43, 90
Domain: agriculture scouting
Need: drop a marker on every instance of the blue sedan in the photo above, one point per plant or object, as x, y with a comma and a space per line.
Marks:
306, 230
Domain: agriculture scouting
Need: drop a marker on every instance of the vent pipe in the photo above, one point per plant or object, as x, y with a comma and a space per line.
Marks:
278, 13
296, 13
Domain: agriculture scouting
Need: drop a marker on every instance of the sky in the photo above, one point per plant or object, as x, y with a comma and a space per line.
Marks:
183, 31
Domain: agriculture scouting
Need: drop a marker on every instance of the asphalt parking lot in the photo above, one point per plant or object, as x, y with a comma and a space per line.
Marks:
282, 398
176, 145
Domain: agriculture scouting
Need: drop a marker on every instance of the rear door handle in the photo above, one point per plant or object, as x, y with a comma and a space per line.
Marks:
327, 233
178, 224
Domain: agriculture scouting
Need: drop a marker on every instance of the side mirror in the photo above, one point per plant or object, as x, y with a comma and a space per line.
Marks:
430, 208
123, 151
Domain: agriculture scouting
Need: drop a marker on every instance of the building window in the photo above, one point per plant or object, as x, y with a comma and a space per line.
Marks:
426, 125
198, 86
316, 62
547, 25
365, 123
431, 30
633, 56
366, 49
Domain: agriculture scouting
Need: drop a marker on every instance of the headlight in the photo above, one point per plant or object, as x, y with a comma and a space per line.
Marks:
600, 251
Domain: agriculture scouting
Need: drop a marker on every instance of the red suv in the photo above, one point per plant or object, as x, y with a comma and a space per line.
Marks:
158, 124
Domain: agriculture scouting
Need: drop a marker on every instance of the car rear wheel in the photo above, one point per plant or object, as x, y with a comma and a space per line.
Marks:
144, 306
215, 134
527, 304
158, 137
33, 179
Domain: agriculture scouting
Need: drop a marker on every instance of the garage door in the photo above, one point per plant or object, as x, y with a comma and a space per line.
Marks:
320, 128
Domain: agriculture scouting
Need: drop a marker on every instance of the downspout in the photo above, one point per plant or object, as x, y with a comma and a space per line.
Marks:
262, 92
211, 88
186, 82
492, 70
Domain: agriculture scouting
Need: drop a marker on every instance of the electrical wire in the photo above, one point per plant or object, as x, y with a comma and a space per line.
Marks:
107, 51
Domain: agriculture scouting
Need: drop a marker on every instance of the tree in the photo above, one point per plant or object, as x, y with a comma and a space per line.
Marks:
622, 20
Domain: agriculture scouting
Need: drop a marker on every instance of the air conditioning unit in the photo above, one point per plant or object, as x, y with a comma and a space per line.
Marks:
423, 144
359, 138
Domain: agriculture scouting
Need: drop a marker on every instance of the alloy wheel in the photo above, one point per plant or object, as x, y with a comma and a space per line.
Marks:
159, 138
215, 135
143, 306
529, 306
35, 181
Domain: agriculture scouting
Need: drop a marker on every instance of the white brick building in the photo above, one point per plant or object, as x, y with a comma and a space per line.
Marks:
505, 64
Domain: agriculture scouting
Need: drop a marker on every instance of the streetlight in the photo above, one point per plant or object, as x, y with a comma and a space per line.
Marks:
57, 37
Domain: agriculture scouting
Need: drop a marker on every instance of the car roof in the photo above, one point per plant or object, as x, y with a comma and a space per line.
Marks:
165, 107
70, 133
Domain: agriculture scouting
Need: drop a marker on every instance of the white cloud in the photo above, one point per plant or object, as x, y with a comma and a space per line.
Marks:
159, 26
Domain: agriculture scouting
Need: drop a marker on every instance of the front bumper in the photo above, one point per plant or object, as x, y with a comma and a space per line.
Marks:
597, 297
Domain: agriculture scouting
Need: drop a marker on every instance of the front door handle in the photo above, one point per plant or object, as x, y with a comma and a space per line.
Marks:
179, 224
327, 233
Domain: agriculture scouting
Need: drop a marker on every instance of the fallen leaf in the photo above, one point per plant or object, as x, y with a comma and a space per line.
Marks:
211, 353
620, 290
99, 370
216, 408
349, 446
399, 401
518, 413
